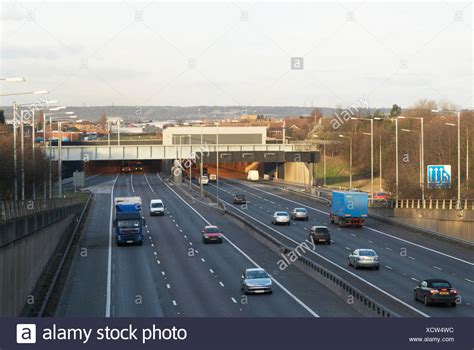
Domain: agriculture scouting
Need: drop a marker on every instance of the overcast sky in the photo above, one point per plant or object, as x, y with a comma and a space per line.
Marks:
238, 53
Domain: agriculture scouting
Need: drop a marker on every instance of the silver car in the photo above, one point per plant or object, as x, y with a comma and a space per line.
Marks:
364, 258
300, 214
256, 280
281, 217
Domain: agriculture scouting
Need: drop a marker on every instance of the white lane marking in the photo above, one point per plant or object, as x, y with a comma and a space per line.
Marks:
371, 242
412, 258
163, 273
151, 188
353, 234
131, 182
438, 268
339, 266
233, 299
109, 254
158, 262
467, 279
389, 248
414, 279
155, 253
174, 302
203, 260
294, 297
388, 267
222, 284
211, 270
152, 245
348, 248
168, 286
372, 229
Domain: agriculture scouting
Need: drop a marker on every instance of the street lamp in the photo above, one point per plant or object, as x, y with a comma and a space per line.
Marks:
217, 162
371, 150
60, 165
14, 79
422, 155
458, 202
350, 159
37, 92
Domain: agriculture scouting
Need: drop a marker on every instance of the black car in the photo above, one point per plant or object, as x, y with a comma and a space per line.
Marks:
239, 199
320, 234
436, 291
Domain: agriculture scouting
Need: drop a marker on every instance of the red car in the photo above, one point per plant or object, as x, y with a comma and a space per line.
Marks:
382, 196
212, 234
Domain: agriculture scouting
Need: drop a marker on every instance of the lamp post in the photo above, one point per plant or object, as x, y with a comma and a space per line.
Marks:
458, 114
458, 124
50, 177
217, 163
422, 156
350, 159
60, 165
371, 150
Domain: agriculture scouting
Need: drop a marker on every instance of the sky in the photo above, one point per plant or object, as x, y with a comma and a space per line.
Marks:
231, 53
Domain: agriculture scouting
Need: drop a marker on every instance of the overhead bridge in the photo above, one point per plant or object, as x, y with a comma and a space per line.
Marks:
227, 153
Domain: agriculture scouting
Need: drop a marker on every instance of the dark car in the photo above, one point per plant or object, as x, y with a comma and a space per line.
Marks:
212, 234
436, 291
320, 234
239, 199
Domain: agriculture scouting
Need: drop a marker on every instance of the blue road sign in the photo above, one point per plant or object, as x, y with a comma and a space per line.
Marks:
439, 176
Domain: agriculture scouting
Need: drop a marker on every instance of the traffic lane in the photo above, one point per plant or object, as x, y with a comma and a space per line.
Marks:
399, 276
135, 279
192, 290
462, 272
227, 265
86, 280
311, 292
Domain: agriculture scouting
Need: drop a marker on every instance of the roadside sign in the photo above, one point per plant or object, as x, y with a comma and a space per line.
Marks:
439, 176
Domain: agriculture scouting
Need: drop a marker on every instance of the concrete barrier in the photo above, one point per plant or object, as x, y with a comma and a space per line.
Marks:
26, 246
453, 224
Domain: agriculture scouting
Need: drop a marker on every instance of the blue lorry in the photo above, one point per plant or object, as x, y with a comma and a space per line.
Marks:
349, 208
128, 222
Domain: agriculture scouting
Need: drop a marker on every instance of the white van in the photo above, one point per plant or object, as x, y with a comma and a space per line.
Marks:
253, 175
212, 177
204, 180
157, 207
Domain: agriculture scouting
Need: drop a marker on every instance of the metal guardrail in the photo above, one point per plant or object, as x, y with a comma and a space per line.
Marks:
466, 204
11, 210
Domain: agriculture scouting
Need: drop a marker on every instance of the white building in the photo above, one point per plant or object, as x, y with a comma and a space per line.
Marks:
228, 135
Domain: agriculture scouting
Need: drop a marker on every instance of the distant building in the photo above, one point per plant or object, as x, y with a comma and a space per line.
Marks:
248, 117
256, 135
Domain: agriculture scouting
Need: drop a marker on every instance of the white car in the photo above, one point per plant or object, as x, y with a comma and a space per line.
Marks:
157, 207
204, 180
212, 177
281, 217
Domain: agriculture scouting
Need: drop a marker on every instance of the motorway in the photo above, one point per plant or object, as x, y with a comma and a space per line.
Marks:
174, 274
406, 257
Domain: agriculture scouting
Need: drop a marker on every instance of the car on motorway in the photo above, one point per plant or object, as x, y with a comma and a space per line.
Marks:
137, 167
212, 178
364, 258
300, 214
256, 280
203, 179
239, 199
212, 234
126, 169
281, 217
382, 196
157, 207
319, 234
436, 291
